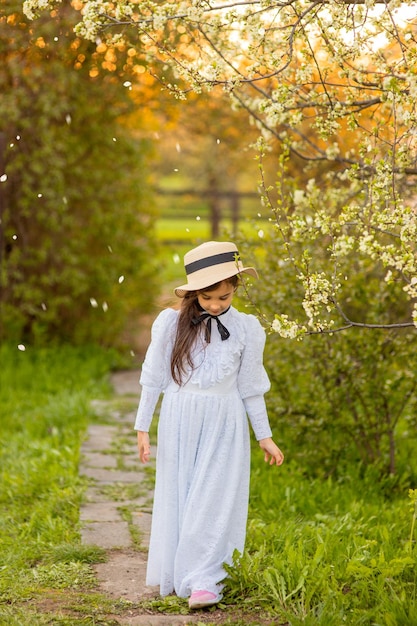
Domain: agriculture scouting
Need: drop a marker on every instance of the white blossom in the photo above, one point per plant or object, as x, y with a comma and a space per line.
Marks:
33, 8
287, 328
298, 196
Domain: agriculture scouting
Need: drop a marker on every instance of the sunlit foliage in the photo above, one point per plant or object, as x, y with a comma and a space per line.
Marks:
76, 218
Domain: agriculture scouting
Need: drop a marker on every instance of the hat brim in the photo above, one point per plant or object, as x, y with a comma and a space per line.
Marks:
202, 281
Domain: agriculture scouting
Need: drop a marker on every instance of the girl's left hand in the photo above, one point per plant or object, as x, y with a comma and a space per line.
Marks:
273, 454
144, 448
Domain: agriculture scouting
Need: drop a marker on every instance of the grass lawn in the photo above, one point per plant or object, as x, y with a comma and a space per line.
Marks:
196, 230
172, 229
319, 552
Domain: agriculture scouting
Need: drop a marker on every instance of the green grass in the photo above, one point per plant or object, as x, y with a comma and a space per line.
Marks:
174, 229
324, 552
194, 230
319, 552
45, 399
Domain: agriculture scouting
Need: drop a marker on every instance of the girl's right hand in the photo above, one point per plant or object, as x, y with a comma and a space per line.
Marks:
144, 447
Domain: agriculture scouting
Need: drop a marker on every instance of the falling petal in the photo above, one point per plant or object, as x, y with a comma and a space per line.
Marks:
176, 169
198, 218
121, 279
260, 233
43, 306
217, 141
21, 347
56, 38
127, 83
110, 249
132, 353
114, 139
187, 230
18, 137
176, 258
14, 237
3, 178
93, 303
105, 306
68, 119
40, 195
11, 145
178, 147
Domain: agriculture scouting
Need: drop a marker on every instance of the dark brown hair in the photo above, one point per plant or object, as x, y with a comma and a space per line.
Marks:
187, 332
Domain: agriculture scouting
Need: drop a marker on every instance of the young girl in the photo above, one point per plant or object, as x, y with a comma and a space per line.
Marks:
207, 361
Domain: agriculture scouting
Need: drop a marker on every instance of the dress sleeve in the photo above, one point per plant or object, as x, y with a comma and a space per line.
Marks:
156, 369
252, 377
258, 416
148, 399
253, 381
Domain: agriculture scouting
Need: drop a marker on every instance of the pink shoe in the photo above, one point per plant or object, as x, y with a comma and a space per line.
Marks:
200, 599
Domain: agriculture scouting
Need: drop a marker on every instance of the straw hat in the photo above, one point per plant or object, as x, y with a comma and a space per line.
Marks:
211, 263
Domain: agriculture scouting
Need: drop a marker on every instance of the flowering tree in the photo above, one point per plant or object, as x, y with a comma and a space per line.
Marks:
335, 82
332, 83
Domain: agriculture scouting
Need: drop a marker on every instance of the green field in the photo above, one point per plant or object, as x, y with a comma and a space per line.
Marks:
192, 230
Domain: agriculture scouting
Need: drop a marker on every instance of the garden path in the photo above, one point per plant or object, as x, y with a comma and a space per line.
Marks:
116, 514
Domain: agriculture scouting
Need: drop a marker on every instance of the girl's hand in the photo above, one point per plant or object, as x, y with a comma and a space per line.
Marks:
273, 454
144, 447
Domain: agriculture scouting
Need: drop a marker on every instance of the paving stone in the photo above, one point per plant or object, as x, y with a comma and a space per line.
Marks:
107, 535
127, 420
123, 575
132, 461
100, 512
98, 459
128, 568
126, 382
99, 438
143, 521
109, 476
94, 494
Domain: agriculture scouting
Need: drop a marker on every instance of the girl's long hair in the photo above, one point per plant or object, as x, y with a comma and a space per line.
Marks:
187, 332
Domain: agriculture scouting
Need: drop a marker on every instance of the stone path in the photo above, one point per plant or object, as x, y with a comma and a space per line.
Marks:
116, 514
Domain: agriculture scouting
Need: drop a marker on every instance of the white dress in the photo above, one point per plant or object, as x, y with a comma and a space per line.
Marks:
203, 452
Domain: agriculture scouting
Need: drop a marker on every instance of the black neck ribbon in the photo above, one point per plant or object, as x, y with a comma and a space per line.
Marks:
224, 333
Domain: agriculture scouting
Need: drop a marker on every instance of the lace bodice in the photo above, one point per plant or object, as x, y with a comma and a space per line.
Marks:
219, 367
239, 356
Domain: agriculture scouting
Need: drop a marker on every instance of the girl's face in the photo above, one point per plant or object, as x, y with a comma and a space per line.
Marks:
218, 300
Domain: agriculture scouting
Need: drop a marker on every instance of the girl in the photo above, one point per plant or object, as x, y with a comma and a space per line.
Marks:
207, 361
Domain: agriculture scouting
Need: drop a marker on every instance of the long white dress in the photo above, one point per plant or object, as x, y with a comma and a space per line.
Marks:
203, 452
